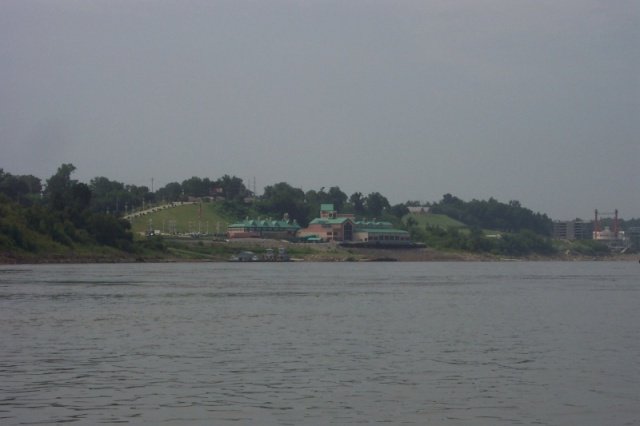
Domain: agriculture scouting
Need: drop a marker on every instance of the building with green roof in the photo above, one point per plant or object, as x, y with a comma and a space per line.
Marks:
331, 226
284, 229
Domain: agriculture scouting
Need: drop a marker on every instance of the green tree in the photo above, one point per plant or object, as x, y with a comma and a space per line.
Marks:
24, 189
281, 199
358, 203
232, 187
399, 210
375, 203
336, 197
170, 192
197, 187
111, 231
102, 187
139, 195
411, 222
61, 181
492, 214
108, 195
80, 196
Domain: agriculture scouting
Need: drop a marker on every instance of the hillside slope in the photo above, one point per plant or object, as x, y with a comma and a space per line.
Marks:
182, 218
435, 220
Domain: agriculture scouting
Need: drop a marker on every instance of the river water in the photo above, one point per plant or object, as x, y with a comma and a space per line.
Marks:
510, 343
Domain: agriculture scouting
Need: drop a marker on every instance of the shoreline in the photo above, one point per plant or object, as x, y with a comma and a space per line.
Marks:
325, 254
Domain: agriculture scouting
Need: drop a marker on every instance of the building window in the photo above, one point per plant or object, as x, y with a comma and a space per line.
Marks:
348, 231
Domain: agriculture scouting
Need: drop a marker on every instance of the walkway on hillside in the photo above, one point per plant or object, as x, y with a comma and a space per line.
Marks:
158, 208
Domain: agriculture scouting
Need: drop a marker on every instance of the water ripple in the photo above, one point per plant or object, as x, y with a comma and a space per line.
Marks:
422, 344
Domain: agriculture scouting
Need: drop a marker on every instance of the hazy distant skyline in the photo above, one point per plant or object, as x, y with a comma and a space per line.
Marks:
535, 101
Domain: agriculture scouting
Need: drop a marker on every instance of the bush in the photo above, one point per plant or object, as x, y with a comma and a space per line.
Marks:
155, 243
591, 248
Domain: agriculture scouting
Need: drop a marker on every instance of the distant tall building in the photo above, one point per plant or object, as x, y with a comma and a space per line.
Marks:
572, 230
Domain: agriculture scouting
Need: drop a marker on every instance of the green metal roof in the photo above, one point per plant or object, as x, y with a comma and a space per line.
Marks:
338, 220
374, 224
381, 231
326, 207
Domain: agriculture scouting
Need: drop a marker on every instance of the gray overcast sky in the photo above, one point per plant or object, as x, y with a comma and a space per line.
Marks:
536, 101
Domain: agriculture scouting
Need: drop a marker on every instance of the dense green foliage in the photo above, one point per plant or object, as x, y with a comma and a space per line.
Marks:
517, 231
491, 214
228, 187
65, 213
61, 218
521, 243
282, 199
590, 248
24, 190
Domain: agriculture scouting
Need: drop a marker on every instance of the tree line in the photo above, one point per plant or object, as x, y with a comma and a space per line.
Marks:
492, 214
57, 214
71, 212
63, 211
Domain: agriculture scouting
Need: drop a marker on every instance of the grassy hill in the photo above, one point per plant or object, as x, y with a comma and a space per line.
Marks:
435, 220
183, 219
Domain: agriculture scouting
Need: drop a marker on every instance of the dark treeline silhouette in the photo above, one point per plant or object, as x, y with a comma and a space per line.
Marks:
491, 214
68, 212
36, 217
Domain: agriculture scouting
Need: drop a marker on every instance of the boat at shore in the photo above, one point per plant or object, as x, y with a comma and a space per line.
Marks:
383, 244
244, 256
269, 256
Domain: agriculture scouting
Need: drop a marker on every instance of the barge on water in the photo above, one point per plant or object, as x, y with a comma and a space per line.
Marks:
269, 256
382, 244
